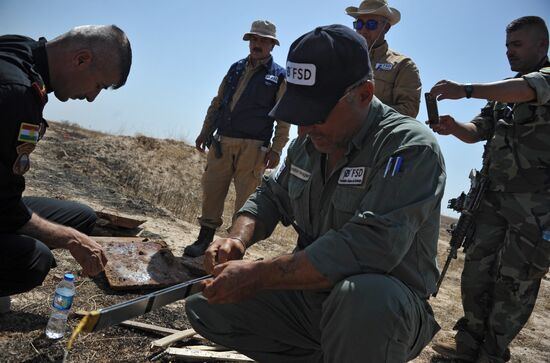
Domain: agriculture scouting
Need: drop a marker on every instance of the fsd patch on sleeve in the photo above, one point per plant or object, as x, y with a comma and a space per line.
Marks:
28, 133
352, 176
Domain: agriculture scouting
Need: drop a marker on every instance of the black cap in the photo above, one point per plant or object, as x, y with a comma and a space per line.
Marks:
320, 66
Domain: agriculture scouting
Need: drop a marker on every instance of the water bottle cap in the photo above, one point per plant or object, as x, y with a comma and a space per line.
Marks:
69, 277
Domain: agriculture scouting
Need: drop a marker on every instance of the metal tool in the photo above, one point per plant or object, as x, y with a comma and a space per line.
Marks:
114, 314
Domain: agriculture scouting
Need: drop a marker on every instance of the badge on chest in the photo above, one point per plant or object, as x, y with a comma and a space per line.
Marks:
352, 176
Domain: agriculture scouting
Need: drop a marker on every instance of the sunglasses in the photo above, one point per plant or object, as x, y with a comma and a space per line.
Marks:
371, 24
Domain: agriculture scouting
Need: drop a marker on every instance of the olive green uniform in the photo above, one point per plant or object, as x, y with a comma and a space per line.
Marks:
397, 80
374, 234
509, 256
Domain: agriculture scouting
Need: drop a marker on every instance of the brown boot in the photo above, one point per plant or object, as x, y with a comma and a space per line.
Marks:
446, 346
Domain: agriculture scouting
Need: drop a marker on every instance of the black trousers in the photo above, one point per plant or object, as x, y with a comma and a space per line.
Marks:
25, 261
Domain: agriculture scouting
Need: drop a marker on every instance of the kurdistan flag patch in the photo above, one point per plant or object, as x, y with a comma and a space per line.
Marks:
28, 133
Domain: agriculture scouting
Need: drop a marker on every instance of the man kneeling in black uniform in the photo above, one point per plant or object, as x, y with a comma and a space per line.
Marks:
77, 65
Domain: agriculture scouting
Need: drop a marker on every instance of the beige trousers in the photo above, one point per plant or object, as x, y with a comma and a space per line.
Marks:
243, 162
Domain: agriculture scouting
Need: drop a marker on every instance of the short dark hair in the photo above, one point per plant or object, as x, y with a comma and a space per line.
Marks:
533, 22
109, 42
124, 55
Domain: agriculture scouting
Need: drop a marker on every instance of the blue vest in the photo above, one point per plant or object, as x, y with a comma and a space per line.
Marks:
249, 118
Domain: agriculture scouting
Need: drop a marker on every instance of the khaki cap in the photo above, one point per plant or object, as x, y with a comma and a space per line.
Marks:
376, 7
262, 28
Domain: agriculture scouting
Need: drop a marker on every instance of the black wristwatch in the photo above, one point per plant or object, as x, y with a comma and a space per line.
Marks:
468, 88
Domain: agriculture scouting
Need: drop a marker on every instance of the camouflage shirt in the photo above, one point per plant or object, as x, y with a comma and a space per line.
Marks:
519, 139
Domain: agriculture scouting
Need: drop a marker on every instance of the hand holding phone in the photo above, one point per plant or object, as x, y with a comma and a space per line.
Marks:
431, 106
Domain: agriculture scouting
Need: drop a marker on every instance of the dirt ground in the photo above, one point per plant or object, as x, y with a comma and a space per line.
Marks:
159, 180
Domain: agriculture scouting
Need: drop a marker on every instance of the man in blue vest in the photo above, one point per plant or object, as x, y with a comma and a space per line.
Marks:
238, 130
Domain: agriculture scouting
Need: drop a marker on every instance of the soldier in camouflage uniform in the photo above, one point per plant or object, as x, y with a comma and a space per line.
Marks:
511, 249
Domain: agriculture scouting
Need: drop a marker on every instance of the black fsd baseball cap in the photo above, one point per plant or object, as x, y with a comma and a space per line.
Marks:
320, 66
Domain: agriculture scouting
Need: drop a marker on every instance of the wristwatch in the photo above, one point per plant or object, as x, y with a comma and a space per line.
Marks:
468, 88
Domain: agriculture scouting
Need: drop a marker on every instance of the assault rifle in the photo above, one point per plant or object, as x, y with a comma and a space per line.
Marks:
462, 232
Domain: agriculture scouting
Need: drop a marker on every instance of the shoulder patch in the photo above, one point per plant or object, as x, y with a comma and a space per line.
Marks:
545, 70
28, 133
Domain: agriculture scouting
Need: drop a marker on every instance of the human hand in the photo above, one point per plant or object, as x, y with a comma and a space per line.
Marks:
446, 125
445, 89
233, 281
271, 159
200, 143
221, 251
88, 253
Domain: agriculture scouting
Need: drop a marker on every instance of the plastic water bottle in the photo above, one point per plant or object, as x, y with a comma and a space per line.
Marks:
62, 301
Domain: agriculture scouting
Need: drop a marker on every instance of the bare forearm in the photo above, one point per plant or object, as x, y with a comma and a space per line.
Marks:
51, 234
243, 228
293, 271
466, 132
515, 90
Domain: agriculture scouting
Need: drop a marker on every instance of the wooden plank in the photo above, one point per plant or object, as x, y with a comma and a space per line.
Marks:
209, 348
178, 335
231, 356
149, 327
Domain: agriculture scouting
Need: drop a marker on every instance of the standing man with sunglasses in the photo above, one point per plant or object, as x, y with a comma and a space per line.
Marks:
396, 76
77, 65
355, 289
241, 148
510, 251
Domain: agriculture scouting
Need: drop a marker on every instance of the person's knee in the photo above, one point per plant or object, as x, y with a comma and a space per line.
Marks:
87, 218
368, 312
30, 270
196, 307
376, 295
43, 262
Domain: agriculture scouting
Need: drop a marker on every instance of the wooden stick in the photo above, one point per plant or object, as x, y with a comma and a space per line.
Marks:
149, 327
231, 356
178, 335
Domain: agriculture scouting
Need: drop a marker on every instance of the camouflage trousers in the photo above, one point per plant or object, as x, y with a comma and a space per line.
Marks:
502, 272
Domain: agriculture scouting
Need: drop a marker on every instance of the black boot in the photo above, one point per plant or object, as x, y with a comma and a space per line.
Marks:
206, 235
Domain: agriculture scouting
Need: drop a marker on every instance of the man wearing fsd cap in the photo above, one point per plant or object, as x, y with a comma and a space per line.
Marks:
241, 149
362, 185
76, 65
396, 76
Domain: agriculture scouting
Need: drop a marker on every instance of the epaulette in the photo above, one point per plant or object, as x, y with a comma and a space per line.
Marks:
40, 89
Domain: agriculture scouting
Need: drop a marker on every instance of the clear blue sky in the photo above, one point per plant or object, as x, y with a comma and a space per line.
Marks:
182, 49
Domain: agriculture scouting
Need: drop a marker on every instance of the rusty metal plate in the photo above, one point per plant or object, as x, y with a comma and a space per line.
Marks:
142, 264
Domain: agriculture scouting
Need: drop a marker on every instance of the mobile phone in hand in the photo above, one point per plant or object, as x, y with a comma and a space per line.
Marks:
431, 106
